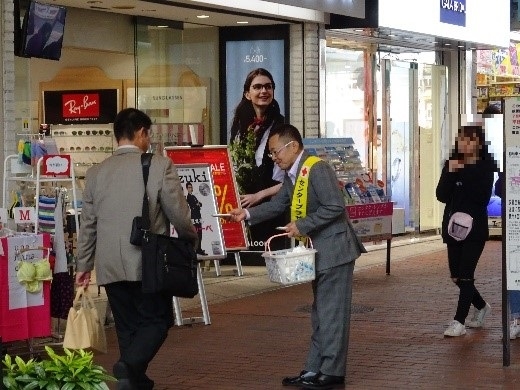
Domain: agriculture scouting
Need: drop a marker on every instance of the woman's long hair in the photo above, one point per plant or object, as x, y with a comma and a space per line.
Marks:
483, 154
245, 113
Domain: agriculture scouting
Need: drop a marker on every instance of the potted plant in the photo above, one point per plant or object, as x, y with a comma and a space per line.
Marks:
73, 370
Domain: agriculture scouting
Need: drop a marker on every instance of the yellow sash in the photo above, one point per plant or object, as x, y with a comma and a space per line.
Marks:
301, 187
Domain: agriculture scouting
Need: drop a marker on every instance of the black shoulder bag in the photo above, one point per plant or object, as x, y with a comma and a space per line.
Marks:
169, 263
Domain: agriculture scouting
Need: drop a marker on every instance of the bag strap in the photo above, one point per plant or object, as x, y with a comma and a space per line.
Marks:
146, 160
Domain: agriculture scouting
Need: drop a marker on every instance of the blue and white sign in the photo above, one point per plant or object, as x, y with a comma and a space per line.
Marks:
453, 12
462, 20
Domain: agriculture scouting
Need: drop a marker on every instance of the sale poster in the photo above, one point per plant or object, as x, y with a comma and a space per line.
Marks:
224, 185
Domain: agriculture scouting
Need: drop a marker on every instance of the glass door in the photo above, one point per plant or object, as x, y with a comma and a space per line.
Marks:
413, 127
399, 125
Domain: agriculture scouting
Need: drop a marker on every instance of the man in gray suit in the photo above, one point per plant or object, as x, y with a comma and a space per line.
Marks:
326, 223
112, 197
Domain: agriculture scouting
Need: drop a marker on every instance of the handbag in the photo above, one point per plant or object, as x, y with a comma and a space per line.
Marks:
84, 328
460, 225
169, 264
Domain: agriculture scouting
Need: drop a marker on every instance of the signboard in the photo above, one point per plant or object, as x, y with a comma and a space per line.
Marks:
56, 165
172, 104
372, 221
354, 8
81, 106
197, 183
224, 185
511, 201
461, 20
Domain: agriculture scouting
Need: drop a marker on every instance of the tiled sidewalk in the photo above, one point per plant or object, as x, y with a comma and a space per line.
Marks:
396, 333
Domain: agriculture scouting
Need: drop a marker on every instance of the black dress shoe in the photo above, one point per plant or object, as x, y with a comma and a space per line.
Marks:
295, 380
322, 381
122, 373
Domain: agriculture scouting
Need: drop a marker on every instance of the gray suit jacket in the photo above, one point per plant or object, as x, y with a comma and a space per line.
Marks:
326, 222
112, 197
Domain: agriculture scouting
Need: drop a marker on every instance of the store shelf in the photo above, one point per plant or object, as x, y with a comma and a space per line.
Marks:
11, 177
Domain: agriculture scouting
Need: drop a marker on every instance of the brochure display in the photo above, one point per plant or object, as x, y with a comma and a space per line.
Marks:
366, 202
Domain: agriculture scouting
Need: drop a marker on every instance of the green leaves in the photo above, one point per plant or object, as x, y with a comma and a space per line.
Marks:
242, 152
75, 370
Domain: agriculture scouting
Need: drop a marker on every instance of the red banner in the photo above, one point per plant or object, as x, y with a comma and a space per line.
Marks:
23, 314
223, 181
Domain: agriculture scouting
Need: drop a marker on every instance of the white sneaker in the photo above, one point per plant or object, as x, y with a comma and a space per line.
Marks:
478, 317
455, 328
514, 329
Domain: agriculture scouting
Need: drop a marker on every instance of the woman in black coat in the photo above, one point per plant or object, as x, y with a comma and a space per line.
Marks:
465, 185
257, 176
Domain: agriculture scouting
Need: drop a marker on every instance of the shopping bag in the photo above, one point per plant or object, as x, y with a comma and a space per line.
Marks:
84, 328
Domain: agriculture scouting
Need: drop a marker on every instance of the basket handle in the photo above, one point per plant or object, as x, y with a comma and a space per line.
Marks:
268, 242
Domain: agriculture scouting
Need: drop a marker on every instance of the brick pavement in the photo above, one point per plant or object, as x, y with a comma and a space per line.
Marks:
396, 335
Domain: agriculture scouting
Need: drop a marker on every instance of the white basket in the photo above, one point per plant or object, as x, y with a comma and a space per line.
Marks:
287, 267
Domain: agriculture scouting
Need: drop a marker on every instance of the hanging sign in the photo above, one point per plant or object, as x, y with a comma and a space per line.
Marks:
56, 165
224, 183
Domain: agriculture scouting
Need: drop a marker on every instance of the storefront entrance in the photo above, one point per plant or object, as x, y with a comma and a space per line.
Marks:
412, 102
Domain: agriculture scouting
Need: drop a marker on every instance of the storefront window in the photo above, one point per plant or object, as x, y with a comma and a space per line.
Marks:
176, 82
345, 97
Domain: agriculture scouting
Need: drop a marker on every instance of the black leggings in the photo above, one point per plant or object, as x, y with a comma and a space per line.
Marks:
462, 259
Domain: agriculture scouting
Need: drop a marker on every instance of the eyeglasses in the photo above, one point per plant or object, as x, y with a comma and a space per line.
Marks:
259, 87
274, 153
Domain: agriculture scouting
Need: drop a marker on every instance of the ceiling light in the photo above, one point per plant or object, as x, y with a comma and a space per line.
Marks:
460, 46
447, 44
162, 26
243, 22
202, 16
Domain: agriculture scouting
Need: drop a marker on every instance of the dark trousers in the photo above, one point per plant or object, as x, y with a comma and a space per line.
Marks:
463, 258
330, 319
142, 322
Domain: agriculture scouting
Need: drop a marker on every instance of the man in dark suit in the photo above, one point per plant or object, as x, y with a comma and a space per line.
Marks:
112, 197
325, 221
196, 216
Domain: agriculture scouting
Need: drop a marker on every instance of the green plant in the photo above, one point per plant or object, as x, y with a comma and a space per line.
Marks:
242, 152
73, 370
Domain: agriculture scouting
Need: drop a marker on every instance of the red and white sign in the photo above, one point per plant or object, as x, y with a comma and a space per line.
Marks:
223, 181
56, 165
372, 221
24, 215
23, 315
80, 105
